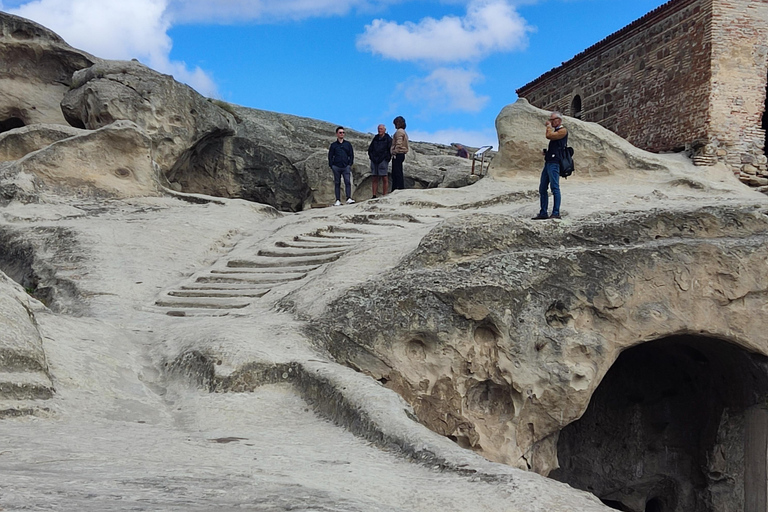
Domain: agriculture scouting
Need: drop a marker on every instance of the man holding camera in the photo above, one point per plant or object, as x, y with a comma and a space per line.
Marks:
550, 176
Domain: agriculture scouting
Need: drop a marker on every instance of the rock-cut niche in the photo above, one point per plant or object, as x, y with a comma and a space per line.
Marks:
666, 430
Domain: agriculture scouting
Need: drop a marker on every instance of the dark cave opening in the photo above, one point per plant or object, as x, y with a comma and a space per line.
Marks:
10, 124
665, 431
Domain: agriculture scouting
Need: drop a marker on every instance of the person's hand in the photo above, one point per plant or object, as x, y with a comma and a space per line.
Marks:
548, 124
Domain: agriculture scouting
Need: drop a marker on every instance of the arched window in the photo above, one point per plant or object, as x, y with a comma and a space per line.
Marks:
576, 107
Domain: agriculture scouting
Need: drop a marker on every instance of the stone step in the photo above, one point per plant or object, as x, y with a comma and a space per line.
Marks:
15, 359
25, 386
316, 244
219, 293
314, 239
265, 262
203, 303
266, 270
290, 252
17, 408
208, 312
250, 278
405, 218
228, 286
341, 236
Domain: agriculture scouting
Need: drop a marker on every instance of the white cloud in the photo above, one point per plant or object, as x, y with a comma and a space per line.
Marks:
260, 10
489, 26
446, 90
471, 138
117, 30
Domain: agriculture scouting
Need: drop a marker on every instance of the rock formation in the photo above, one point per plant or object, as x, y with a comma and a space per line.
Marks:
17, 143
282, 160
24, 374
621, 350
36, 71
597, 150
498, 332
112, 162
174, 116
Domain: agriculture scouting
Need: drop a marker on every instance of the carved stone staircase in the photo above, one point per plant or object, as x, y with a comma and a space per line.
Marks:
234, 283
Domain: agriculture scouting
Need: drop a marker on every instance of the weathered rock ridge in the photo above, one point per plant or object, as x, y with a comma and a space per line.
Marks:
282, 160
200, 145
174, 116
36, 71
112, 162
598, 151
492, 324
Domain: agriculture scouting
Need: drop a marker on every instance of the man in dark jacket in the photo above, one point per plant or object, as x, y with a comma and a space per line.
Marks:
379, 153
557, 135
341, 156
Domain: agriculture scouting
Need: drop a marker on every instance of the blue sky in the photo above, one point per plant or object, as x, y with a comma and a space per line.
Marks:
447, 66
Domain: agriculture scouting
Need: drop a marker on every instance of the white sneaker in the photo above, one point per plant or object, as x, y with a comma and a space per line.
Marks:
337, 203
350, 201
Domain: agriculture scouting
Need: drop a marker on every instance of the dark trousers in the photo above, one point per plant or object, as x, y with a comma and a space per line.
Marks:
398, 181
338, 173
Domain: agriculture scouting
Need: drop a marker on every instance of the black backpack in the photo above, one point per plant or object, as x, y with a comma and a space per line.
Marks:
566, 162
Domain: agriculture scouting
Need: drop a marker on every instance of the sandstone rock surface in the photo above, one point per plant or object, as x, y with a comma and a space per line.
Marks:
282, 160
598, 151
36, 68
174, 115
23, 366
114, 161
19, 142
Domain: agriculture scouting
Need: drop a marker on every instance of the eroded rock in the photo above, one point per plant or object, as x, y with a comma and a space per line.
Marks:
174, 115
19, 142
282, 160
23, 366
597, 151
114, 161
498, 331
36, 68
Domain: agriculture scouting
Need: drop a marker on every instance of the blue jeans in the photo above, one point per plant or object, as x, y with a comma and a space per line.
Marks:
550, 178
338, 172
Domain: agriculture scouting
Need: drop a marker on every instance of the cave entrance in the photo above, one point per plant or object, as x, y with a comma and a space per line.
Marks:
10, 124
677, 425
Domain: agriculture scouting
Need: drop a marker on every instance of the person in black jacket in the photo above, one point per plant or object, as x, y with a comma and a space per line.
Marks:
379, 153
341, 156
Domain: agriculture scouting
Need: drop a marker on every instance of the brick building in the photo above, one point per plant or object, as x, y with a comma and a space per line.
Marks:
690, 75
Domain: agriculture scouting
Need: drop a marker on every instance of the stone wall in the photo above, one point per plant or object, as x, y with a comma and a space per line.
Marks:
737, 101
627, 81
689, 75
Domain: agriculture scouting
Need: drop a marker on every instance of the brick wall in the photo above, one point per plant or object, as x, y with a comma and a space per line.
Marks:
649, 82
739, 72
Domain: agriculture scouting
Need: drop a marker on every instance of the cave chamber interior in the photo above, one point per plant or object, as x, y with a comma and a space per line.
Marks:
677, 425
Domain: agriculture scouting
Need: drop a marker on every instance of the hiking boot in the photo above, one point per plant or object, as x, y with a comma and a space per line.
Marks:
350, 201
540, 217
374, 197
337, 203
555, 216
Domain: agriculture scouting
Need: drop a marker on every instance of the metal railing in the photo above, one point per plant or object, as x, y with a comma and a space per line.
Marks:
479, 156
